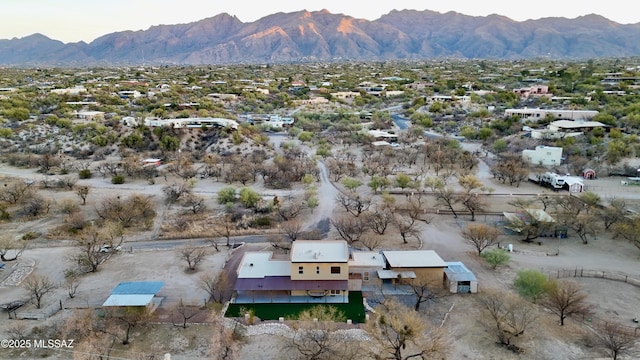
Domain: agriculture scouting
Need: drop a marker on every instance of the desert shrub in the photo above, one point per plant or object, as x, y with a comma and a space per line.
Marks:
29, 235
84, 174
117, 179
262, 221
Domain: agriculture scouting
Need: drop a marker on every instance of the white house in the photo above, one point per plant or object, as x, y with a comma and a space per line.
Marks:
537, 114
543, 155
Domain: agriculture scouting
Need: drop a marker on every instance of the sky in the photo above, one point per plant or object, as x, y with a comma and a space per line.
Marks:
85, 20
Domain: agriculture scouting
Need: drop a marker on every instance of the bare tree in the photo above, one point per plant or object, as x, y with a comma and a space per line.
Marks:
407, 227
470, 198
371, 242
69, 182
72, 281
14, 192
280, 243
184, 312
93, 246
379, 220
615, 340
36, 205
38, 286
128, 212
511, 315
193, 255
289, 210
314, 336
448, 197
426, 288
128, 317
353, 203
11, 246
195, 203
175, 192
402, 334
217, 286
614, 213
224, 227
291, 229
350, 229
565, 298
481, 236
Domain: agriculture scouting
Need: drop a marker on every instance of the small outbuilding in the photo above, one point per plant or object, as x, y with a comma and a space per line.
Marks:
589, 174
459, 279
139, 293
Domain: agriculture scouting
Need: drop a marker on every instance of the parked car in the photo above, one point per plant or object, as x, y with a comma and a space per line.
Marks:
108, 248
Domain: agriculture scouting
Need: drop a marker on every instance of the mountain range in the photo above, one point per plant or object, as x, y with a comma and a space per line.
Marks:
321, 36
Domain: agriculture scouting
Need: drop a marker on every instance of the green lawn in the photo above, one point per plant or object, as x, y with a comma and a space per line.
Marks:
354, 310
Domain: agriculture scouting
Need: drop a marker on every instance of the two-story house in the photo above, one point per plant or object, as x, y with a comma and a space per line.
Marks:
316, 271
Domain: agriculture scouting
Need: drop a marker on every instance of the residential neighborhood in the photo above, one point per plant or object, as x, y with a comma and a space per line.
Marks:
242, 208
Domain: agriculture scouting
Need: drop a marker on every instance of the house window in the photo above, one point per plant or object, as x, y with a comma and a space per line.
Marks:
334, 292
335, 269
317, 269
300, 270
365, 276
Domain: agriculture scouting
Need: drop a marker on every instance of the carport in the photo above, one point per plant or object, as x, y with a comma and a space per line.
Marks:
139, 293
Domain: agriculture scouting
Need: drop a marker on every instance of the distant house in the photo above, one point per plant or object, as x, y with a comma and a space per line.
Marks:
581, 126
543, 155
534, 91
537, 114
191, 122
90, 115
380, 135
76, 90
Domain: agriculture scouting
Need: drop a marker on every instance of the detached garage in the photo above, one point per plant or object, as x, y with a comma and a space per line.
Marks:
459, 279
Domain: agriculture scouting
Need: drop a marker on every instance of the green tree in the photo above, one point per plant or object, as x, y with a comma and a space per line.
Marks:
496, 257
351, 184
403, 181
531, 284
227, 195
169, 143
249, 197
305, 136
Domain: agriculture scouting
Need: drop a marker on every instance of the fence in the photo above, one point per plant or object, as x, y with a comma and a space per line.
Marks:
598, 274
608, 275
36, 314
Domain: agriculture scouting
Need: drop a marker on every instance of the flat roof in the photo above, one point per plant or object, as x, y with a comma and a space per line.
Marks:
259, 264
414, 258
367, 258
319, 251
129, 300
570, 124
456, 271
137, 287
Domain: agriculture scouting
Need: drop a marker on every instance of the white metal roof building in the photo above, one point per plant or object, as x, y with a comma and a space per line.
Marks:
137, 293
413, 259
